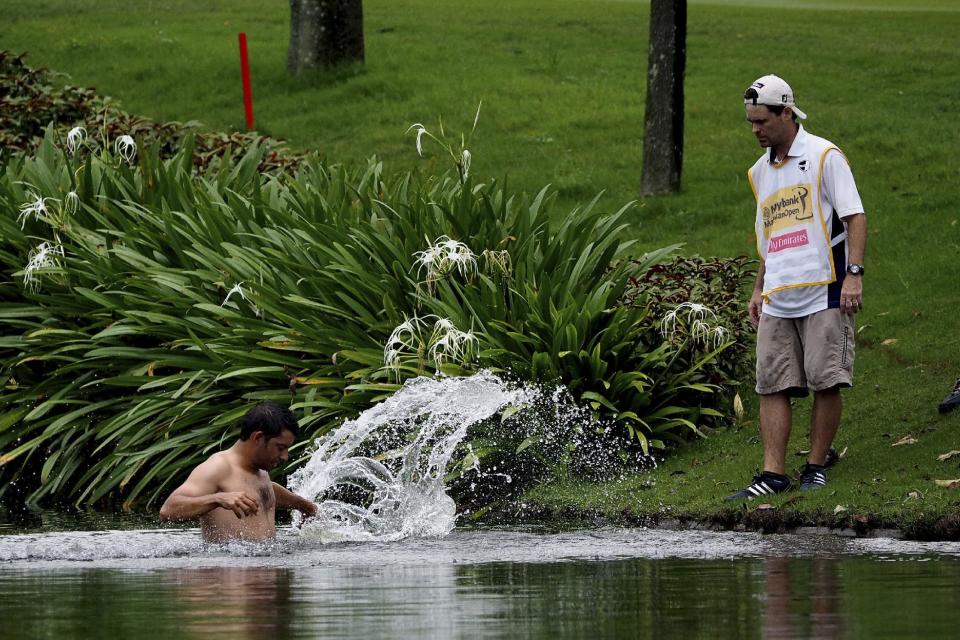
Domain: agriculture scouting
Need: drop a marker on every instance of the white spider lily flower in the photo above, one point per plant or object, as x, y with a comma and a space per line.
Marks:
699, 322
126, 148
718, 336
238, 289
700, 331
698, 311
428, 258
391, 358
447, 343
71, 202
420, 131
416, 338
668, 324
695, 312
465, 263
406, 338
443, 325
75, 138
442, 257
465, 162
37, 208
43, 257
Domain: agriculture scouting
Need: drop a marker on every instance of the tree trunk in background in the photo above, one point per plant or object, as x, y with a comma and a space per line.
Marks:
324, 33
663, 137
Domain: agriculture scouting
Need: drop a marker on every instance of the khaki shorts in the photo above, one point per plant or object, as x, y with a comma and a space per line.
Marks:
814, 352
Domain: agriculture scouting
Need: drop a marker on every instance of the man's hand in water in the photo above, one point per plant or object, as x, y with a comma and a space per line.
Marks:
309, 511
240, 502
287, 499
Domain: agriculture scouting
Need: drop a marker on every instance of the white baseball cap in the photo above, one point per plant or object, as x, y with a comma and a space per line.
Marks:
772, 91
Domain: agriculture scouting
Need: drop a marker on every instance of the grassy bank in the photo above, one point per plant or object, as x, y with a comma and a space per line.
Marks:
562, 84
877, 485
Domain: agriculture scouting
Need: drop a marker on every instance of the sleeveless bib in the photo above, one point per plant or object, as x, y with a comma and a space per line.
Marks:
793, 236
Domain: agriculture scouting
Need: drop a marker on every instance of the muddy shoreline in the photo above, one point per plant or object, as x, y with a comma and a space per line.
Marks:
750, 518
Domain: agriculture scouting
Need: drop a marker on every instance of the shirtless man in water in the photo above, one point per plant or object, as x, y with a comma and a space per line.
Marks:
231, 492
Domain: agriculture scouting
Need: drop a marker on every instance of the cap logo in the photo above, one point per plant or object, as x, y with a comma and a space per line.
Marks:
783, 98
758, 85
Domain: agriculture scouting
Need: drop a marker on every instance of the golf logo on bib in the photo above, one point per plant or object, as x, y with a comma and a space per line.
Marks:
786, 208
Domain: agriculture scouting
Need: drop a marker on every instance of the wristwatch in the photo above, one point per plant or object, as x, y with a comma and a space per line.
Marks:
855, 269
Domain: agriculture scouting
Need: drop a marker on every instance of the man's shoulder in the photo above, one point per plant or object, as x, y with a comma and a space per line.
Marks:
219, 464
821, 144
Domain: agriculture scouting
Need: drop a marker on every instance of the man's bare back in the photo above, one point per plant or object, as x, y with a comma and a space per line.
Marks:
231, 492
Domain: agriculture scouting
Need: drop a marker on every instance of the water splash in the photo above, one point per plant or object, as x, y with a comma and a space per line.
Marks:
395, 457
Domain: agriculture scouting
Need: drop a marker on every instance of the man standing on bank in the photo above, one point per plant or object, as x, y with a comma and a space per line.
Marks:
811, 235
231, 492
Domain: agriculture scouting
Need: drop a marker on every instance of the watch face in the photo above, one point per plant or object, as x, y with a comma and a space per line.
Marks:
855, 269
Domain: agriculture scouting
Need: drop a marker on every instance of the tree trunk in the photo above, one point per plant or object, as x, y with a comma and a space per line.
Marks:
324, 33
663, 138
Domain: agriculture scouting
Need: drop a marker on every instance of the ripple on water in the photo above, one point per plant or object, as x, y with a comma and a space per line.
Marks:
148, 549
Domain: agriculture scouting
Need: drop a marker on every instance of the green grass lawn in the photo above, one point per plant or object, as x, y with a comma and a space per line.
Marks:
562, 84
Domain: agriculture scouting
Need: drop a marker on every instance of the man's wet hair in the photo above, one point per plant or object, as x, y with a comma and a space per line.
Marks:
752, 95
271, 419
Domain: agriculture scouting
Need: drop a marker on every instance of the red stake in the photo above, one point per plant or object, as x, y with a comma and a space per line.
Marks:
245, 72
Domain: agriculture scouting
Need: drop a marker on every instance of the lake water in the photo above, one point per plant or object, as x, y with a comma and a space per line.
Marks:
476, 583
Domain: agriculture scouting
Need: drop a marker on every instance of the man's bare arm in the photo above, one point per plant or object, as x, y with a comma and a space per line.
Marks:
851, 293
287, 499
200, 495
756, 299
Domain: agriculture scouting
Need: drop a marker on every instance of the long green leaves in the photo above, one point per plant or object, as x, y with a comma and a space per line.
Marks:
172, 301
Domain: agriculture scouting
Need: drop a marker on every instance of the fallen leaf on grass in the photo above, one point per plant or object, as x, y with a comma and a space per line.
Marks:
913, 495
948, 484
889, 341
738, 406
764, 507
843, 453
948, 455
839, 509
908, 439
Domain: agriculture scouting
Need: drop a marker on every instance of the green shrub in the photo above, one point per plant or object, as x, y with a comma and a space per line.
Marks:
31, 100
719, 285
160, 303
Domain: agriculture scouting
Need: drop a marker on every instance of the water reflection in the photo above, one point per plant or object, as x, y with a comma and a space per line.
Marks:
398, 601
476, 584
802, 599
232, 601
395, 601
635, 598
